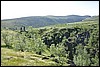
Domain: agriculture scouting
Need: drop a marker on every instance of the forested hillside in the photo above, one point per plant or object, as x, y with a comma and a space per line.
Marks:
70, 44
40, 21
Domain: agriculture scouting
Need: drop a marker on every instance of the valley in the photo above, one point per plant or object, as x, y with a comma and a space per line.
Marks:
50, 41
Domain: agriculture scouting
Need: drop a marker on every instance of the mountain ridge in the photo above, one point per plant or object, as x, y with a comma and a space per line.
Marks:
41, 21
44, 16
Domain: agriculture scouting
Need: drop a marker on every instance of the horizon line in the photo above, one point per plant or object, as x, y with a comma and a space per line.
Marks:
47, 15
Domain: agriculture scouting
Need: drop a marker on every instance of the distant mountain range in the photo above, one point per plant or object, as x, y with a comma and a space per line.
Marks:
40, 21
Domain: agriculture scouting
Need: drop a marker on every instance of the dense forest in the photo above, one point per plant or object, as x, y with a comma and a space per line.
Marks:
68, 44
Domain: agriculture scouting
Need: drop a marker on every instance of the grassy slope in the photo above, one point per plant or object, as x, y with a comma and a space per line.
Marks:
71, 25
10, 57
85, 22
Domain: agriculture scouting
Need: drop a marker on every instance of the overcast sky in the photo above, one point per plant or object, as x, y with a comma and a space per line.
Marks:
16, 9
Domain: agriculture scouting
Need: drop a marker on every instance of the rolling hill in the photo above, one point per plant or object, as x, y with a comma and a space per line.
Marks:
69, 44
41, 21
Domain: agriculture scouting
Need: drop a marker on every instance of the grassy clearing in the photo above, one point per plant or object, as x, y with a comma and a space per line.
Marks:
10, 57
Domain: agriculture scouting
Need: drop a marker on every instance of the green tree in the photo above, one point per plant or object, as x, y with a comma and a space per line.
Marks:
82, 58
7, 38
95, 61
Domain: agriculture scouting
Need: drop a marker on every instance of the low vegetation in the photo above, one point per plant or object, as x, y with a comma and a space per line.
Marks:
71, 44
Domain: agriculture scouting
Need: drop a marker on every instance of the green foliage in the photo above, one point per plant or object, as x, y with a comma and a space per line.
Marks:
52, 49
58, 50
73, 44
95, 61
7, 38
82, 57
40, 21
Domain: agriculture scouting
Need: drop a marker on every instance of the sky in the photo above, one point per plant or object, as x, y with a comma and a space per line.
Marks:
17, 9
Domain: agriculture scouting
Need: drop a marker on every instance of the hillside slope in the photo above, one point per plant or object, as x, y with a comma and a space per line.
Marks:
40, 21
16, 58
70, 44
